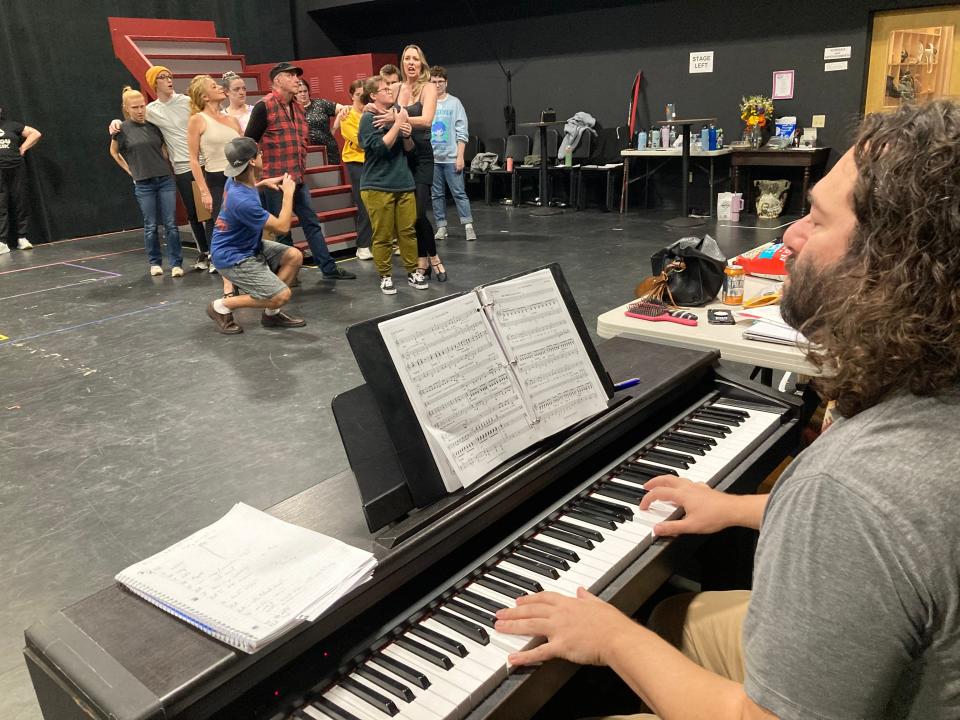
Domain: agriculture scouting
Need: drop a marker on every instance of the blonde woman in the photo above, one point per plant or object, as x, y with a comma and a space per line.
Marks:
419, 97
138, 148
348, 123
236, 90
208, 132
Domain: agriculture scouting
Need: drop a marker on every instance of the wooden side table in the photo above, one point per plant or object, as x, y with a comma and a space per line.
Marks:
806, 158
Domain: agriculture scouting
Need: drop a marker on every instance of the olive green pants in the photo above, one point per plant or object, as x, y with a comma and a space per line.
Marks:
392, 215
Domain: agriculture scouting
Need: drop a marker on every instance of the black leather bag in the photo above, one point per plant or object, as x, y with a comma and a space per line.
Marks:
694, 270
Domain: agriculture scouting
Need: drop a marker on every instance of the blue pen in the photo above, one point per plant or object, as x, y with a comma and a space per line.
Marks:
626, 384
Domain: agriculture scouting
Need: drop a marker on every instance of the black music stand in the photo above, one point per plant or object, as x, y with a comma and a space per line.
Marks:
385, 444
685, 220
544, 210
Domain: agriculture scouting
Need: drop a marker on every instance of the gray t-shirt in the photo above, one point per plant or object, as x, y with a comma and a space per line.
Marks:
141, 145
172, 118
855, 611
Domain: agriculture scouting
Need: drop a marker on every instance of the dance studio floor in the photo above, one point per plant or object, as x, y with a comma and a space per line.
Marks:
127, 421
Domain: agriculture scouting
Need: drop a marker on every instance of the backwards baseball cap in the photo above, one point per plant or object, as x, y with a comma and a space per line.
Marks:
239, 151
285, 67
151, 75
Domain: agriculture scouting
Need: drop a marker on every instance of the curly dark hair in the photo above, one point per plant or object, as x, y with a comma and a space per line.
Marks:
896, 324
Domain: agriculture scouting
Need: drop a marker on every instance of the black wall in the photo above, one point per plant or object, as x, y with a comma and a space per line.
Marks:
59, 75
571, 58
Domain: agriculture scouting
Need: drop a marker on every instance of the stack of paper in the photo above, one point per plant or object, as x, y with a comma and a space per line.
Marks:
769, 326
249, 578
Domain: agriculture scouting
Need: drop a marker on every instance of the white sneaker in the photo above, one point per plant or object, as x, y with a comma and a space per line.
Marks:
386, 286
4, 249
471, 233
176, 271
156, 270
212, 270
24, 244
441, 233
202, 263
417, 280
364, 254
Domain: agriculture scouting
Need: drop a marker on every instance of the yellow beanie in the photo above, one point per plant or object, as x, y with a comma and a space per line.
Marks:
151, 76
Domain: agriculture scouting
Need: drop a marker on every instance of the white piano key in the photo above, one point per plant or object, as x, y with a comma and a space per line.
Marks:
468, 665
491, 655
433, 702
452, 685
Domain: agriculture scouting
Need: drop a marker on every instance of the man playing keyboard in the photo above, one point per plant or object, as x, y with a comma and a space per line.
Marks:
855, 607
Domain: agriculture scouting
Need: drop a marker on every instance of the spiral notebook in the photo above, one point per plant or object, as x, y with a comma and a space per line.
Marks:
249, 578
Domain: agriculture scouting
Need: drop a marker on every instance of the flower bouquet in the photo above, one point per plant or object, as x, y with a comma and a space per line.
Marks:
756, 111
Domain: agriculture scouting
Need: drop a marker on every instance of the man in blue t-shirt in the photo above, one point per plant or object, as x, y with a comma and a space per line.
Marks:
261, 270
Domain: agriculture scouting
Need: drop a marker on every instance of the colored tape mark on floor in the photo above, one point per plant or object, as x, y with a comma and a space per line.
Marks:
161, 306
3, 337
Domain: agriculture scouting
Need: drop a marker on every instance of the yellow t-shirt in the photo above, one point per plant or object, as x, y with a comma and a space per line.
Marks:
349, 126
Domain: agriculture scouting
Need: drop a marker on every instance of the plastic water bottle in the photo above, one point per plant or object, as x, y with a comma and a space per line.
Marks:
642, 140
655, 139
713, 137
568, 158
665, 136
705, 139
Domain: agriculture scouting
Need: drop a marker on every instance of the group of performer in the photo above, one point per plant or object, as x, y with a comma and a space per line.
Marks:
177, 141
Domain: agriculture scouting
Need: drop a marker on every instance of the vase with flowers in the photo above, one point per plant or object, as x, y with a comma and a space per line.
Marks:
756, 111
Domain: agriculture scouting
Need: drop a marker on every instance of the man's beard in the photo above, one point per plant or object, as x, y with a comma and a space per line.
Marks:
810, 289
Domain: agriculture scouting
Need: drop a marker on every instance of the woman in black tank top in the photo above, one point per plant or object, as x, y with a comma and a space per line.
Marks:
419, 97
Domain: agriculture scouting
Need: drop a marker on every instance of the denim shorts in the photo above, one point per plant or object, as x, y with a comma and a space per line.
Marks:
256, 276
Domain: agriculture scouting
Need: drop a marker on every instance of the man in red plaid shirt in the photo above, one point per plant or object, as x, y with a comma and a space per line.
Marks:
279, 125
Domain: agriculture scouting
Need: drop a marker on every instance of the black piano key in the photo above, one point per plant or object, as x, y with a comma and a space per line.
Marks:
442, 641
581, 532
402, 670
704, 429
715, 418
665, 457
481, 616
620, 491
709, 442
500, 587
333, 710
518, 580
719, 424
585, 505
541, 557
464, 627
533, 566
612, 507
741, 414
646, 467
370, 696
387, 683
482, 601
681, 446
591, 518
565, 553
427, 653
702, 442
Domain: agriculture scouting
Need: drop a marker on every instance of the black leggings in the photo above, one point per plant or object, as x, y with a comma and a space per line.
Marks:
215, 183
426, 244
185, 190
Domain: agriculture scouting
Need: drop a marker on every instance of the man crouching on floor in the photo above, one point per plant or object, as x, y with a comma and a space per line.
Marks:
261, 270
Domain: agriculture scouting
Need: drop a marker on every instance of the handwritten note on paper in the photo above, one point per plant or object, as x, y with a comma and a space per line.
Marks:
458, 382
538, 334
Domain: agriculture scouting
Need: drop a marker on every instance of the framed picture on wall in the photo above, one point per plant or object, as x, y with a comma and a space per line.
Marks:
782, 85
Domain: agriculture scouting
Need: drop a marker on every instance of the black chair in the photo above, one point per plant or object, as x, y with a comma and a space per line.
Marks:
610, 141
517, 147
580, 156
474, 146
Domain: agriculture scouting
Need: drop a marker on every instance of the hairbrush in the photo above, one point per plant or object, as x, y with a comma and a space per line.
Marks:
657, 311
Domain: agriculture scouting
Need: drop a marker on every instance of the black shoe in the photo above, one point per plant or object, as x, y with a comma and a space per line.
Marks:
441, 274
339, 274
281, 319
225, 323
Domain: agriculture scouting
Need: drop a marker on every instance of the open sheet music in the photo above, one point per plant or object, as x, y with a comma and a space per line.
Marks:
492, 372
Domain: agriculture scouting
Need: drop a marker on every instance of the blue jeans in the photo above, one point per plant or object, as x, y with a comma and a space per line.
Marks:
273, 201
445, 173
157, 197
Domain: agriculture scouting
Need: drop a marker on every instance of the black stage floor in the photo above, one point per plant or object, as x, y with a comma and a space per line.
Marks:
127, 421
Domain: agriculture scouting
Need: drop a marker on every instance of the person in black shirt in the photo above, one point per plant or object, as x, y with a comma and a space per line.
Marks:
319, 112
139, 149
15, 139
